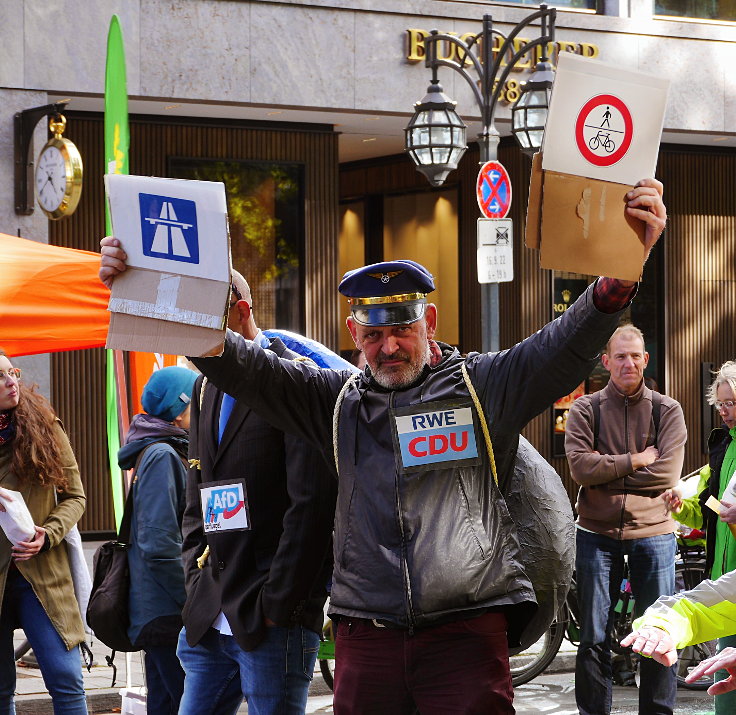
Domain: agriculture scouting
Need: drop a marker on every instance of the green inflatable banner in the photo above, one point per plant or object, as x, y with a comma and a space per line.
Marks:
117, 142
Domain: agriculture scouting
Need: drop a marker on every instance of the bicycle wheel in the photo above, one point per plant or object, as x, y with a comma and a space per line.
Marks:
21, 649
534, 660
689, 573
688, 658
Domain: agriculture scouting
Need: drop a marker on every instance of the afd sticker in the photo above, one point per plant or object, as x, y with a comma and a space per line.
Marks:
224, 506
169, 228
443, 433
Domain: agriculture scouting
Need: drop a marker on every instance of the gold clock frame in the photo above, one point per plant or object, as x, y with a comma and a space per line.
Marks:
73, 168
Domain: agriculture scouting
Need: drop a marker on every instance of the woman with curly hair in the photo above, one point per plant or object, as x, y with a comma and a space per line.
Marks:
36, 586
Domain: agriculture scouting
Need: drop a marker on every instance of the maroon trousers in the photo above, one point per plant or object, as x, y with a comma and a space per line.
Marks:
458, 667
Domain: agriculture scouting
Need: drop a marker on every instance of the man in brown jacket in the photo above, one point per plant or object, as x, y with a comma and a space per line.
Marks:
625, 445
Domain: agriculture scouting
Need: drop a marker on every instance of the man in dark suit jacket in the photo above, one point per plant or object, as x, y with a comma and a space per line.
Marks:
257, 551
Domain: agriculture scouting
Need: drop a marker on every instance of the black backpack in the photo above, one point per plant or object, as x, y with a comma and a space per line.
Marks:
107, 612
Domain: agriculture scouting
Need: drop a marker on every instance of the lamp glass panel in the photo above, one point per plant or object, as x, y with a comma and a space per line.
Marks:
423, 155
536, 117
441, 135
456, 154
517, 117
442, 155
523, 139
536, 137
538, 98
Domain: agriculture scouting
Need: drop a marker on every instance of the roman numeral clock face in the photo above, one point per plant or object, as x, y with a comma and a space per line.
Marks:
58, 178
50, 179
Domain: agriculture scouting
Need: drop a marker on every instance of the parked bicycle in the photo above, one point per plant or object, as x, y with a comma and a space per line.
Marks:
689, 571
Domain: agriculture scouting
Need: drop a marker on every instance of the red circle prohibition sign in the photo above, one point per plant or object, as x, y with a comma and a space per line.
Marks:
493, 190
580, 124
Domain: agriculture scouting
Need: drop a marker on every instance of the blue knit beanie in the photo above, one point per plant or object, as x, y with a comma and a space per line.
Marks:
168, 392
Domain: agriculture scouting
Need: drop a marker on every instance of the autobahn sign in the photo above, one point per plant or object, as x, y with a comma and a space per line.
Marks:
493, 190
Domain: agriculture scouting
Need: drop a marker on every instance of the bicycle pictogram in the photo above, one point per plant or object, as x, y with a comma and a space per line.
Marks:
602, 140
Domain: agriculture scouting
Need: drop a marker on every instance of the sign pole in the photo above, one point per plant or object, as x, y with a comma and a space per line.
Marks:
489, 296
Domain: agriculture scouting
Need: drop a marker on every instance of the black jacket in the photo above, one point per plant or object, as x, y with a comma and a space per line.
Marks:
420, 545
280, 567
718, 442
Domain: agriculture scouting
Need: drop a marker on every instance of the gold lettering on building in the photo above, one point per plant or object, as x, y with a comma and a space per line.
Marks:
416, 50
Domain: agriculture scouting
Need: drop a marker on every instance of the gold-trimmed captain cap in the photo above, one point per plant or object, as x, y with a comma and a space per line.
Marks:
388, 293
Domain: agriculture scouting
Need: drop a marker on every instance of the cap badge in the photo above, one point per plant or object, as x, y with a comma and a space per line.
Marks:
385, 277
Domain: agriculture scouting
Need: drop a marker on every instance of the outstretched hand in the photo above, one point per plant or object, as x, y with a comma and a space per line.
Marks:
112, 262
726, 659
652, 642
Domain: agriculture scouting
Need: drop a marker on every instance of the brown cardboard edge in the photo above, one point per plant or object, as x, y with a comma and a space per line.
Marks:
135, 333
533, 228
550, 259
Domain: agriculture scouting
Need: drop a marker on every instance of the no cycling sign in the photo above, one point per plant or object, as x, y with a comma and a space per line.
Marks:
604, 130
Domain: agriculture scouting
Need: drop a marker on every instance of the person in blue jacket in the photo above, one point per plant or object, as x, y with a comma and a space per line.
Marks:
156, 448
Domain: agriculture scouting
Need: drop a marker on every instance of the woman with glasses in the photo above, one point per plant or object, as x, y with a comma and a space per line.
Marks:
36, 586
720, 543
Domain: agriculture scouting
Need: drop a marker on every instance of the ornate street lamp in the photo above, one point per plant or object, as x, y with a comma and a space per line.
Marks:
529, 114
436, 136
430, 135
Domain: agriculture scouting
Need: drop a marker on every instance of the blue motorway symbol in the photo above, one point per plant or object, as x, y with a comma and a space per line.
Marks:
169, 228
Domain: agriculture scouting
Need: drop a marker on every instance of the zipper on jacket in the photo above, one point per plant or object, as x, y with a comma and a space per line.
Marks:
404, 566
626, 447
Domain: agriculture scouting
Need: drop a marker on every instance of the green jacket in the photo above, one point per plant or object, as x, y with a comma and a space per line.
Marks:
703, 614
48, 572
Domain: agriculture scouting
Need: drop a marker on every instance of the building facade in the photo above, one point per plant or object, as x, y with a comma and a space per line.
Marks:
299, 106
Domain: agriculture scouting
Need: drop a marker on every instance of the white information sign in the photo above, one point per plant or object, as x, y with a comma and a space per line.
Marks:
171, 225
495, 250
604, 122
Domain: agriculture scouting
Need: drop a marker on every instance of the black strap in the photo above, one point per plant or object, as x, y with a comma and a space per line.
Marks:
124, 531
656, 410
595, 403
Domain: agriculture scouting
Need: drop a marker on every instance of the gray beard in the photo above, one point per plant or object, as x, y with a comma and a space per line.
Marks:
408, 375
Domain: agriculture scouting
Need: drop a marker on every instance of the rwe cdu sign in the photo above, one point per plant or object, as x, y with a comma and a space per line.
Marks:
169, 228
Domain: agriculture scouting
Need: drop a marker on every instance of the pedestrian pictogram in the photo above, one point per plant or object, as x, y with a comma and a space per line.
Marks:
169, 228
493, 190
604, 130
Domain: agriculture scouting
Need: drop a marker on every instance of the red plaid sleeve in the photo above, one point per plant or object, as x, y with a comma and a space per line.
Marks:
610, 295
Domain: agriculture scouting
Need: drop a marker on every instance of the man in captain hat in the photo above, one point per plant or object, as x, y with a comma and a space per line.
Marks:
428, 590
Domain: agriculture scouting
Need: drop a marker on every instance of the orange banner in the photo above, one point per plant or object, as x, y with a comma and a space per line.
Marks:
50, 298
142, 366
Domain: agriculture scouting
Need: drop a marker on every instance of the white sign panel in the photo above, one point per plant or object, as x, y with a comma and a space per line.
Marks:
171, 225
604, 122
495, 250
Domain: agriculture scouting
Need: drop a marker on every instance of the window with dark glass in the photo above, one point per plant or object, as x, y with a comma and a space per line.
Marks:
697, 9
265, 213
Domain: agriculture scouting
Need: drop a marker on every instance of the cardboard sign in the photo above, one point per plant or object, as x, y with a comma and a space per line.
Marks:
173, 296
581, 225
604, 122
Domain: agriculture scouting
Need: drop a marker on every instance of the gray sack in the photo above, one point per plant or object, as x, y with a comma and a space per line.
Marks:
540, 508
